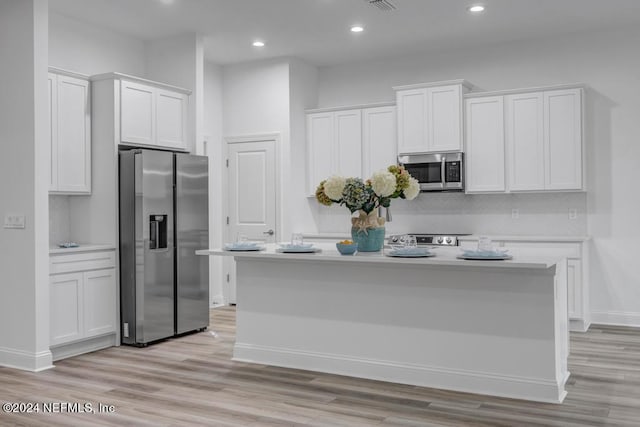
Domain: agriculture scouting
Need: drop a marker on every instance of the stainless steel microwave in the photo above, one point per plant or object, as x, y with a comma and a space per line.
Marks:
436, 172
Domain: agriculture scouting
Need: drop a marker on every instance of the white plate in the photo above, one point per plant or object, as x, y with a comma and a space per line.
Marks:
232, 247
296, 247
485, 257
410, 254
298, 250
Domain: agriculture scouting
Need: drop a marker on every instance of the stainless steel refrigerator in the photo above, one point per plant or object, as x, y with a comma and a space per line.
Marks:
164, 217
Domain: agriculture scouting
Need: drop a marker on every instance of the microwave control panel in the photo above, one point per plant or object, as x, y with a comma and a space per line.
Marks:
453, 172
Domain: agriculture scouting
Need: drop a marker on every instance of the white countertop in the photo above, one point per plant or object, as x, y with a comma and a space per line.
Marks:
444, 257
516, 238
84, 247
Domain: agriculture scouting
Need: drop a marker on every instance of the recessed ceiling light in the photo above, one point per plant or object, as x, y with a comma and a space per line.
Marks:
258, 43
476, 8
357, 29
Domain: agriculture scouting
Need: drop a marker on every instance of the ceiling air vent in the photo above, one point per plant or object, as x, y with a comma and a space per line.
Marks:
384, 5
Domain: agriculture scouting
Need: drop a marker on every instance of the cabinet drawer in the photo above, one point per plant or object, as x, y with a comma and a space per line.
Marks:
81, 261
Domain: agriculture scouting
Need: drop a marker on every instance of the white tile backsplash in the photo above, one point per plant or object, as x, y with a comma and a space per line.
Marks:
538, 214
59, 219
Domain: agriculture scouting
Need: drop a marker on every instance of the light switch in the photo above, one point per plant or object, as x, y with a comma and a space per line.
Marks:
14, 221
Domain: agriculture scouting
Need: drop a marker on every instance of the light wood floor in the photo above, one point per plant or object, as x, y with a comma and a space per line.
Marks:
192, 381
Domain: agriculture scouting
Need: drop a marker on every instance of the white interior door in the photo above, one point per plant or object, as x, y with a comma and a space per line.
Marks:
252, 196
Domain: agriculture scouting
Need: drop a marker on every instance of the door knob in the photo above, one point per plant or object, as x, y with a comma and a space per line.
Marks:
270, 232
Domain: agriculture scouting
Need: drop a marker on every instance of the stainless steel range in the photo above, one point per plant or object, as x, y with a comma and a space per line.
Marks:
450, 239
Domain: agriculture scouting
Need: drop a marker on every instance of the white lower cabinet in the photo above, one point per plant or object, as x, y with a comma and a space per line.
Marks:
577, 285
83, 297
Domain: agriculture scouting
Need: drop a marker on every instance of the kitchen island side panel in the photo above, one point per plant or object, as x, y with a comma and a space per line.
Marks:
487, 330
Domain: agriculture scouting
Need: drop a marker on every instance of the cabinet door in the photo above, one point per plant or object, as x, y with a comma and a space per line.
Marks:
320, 153
444, 110
171, 113
485, 144
99, 302
525, 142
412, 121
137, 113
73, 136
66, 312
379, 145
52, 82
563, 139
348, 142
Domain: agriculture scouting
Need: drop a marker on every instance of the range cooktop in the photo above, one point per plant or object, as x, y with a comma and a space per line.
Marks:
425, 239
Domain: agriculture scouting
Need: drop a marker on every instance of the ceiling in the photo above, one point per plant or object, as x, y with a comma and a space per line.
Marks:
318, 30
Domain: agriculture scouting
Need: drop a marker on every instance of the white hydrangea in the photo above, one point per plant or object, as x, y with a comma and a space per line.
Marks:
334, 186
413, 190
383, 183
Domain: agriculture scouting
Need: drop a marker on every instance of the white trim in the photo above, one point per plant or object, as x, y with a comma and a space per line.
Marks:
525, 90
615, 318
579, 325
217, 300
426, 376
257, 137
276, 137
461, 82
25, 360
351, 107
121, 76
63, 72
85, 346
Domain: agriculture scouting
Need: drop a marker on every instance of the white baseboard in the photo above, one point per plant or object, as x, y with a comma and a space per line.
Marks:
81, 347
425, 376
27, 361
616, 318
217, 301
579, 325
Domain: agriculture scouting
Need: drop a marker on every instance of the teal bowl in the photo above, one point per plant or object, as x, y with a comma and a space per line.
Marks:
347, 249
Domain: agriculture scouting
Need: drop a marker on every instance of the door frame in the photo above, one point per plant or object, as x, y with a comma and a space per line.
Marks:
275, 137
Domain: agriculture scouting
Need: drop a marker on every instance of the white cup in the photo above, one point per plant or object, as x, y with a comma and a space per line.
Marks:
297, 239
484, 244
410, 241
241, 238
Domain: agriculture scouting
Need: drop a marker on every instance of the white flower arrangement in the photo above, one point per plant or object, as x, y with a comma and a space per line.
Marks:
356, 194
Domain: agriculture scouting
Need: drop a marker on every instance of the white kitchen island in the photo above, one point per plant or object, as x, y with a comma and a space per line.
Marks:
489, 327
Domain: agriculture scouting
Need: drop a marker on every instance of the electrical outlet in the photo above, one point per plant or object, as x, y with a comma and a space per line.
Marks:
573, 213
515, 213
14, 221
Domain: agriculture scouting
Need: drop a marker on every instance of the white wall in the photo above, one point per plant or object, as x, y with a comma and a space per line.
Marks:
303, 84
608, 62
24, 165
89, 49
256, 101
212, 133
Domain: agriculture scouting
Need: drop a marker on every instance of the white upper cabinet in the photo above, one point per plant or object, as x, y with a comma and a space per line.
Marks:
70, 133
171, 112
537, 131
484, 155
137, 113
379, 132
153, 116
563, 139
334, 145
430, 117
348, 142
525, 141
352, 142
544, 140
320, 149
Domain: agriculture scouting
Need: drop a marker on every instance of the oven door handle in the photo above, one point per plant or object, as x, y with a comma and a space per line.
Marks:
443, 175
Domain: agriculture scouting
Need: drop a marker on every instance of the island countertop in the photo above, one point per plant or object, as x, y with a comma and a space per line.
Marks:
444, 257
